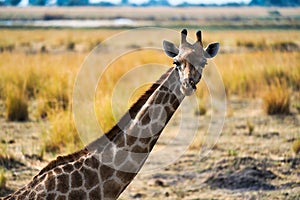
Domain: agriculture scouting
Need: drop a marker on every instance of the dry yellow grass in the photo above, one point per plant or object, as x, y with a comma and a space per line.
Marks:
40, 75
250, 73
296, 146
62, 135
3, 178
4, 155
197, 142
16, 105
41, 84
277, 98
51, 38
47, 77
112, 75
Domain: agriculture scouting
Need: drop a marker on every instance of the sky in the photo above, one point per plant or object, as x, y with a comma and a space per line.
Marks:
175, 2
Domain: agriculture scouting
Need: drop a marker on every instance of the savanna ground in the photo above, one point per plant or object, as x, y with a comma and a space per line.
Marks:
257, 153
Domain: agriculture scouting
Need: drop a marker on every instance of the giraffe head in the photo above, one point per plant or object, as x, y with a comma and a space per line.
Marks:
190, 59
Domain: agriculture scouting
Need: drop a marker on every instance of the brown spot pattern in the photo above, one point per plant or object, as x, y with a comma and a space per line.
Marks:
95, 194
50, 196
77, 195
50, 183
40, 196
130, 140
32, 194
106, 172
92, 162
57, 170
77, 165
114, 189
125, 176
90, 177
63, 183
68, 168
61, 198
76, 179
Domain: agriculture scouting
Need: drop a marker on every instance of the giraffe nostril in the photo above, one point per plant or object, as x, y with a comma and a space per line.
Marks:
192, 83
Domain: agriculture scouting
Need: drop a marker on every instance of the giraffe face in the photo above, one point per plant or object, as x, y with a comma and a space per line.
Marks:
189, 60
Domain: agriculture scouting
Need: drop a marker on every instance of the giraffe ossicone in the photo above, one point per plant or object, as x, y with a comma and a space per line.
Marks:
105, 167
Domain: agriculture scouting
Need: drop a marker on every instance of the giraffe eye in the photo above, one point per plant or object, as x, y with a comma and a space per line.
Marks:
176, 62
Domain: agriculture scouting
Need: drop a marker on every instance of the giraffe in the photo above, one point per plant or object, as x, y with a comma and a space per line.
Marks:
105, 167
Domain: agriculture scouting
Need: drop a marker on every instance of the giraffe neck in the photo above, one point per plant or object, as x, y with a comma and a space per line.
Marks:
146, 119
126, 147
104, 168
150, 121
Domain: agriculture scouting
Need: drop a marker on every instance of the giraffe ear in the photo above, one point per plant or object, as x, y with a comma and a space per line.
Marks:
212, 50
170, 49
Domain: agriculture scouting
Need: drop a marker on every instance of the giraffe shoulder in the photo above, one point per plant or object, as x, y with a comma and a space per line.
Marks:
61, 160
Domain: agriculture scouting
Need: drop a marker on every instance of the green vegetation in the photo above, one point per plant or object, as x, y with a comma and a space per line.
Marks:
250, 127
232, 152
3, 178
296, 146
3, 152
201, 109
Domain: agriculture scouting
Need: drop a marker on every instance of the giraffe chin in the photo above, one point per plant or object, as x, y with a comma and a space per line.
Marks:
187, 91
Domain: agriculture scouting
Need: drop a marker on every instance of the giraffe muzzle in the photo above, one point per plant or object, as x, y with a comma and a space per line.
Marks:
188, 86
193, 84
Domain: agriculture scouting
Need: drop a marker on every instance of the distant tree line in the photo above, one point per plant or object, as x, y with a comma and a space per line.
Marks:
45, 2
149, 3
275, 3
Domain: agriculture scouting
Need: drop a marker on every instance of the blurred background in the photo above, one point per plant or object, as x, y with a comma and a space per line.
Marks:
43, 44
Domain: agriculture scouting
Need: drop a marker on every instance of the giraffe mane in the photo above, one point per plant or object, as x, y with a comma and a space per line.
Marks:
61, 160
142, 100
134, 109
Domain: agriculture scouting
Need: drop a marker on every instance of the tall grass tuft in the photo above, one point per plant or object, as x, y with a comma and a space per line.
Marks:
16, 105
296, 146
3, 178
277, 98
56, 92
32, 83
62, 135
58, 95
197, 142
3, 152
70, 45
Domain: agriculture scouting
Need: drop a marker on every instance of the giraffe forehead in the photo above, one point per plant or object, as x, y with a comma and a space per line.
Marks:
192, 56
190, 52
185, 54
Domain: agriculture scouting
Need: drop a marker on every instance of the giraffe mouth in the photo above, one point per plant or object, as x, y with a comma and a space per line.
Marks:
193, 85
187, 91
188, 87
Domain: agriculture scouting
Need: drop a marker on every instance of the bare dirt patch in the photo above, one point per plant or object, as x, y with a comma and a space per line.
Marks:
260, 165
